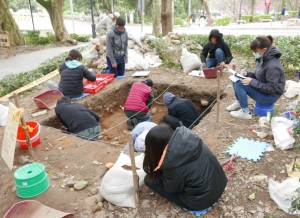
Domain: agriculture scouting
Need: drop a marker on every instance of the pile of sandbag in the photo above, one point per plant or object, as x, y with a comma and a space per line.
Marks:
140, 54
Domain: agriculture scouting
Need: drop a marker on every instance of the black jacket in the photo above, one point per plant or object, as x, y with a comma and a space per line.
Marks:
268, 76
71, 80
192, 170
76, 117
211, 49
184, 110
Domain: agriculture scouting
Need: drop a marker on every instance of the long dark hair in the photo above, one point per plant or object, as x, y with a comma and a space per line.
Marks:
261, 42
215, 33
156, 141
74, 55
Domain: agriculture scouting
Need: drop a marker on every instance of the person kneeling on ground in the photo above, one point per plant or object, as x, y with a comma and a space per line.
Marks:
218, 50
181, 168
72, 73
265, 85
78, 119
181, 112
116, 48
138, 103
139, 134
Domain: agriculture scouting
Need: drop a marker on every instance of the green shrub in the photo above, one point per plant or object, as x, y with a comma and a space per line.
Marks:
260, 17
222, 21
32, 37
247, 18
178, 21
293, 13
80, 38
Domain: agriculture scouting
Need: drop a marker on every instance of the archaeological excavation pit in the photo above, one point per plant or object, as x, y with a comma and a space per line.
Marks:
108, 104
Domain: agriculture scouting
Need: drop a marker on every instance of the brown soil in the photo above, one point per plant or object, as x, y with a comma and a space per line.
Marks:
73, 157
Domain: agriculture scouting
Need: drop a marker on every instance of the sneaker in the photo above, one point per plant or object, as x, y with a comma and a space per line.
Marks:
241, 115
134, 122
129, 124
234, 107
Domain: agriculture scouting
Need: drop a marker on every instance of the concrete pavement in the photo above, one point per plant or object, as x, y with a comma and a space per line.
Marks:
30, 61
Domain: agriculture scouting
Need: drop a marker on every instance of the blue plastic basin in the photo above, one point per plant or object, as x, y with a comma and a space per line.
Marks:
261, 110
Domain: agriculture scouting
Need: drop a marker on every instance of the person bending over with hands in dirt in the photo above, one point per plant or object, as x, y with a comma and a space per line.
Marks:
181, 168
219, 52
181, 112
116, 48
77, 119
72, 73
265, 85
138, 103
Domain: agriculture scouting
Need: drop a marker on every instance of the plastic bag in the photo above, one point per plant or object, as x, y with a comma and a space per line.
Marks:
283, 139
3, 115
281, 192
117, 185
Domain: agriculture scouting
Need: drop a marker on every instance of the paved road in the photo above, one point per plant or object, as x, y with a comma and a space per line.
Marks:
84, 27
27, 62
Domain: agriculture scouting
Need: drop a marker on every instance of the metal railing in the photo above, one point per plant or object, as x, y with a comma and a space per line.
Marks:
266, 20
241, 22
291, 20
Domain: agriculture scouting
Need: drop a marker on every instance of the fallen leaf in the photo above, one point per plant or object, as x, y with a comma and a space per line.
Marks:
252, 196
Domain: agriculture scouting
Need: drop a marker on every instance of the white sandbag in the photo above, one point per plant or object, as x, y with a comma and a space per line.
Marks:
117, 186
281, 192
3, 115
282, 138
103, 40
136, 60
292, 88
189, 63
135, 37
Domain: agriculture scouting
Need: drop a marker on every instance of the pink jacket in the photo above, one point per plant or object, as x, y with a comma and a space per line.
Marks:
137, 98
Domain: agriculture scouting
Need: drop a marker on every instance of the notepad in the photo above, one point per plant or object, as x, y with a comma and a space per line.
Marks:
236, 76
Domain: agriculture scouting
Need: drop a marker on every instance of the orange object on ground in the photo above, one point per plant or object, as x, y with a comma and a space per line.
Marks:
34, 134
109, 165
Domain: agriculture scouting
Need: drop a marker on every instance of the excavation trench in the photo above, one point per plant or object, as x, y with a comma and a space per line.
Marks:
108, 105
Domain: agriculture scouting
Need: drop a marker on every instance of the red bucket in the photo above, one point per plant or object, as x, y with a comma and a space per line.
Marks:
34, 135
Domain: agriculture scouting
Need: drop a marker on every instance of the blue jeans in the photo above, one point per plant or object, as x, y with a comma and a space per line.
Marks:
242, 92
219, 58
120, 70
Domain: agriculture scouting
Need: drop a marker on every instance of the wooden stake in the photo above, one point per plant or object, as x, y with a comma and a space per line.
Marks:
31, 152
56, 62
233, 66
218, 96
135, 176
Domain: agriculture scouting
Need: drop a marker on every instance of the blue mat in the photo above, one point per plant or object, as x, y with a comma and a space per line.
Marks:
80, 97
200, 212
248, 149
120, 77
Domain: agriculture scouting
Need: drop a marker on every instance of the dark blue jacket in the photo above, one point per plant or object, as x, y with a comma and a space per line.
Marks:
71, 84
283, 11
269, 76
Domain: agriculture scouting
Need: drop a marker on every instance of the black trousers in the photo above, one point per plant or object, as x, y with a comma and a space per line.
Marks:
159, 189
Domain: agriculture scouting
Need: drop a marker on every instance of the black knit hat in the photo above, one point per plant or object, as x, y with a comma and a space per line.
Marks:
148, 82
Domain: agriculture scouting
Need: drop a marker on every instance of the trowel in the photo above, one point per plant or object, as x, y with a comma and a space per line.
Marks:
261, 135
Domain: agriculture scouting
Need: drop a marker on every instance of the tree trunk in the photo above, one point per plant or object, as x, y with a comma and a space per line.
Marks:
296, 5
156, 16
282, 3
209, 19
7, 23
148, 5
252, 7
55, 10
166, 17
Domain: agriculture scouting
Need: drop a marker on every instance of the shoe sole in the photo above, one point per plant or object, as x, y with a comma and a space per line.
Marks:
129, 125
236, 109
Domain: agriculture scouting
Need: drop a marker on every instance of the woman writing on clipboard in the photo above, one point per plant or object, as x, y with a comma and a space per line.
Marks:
219, 52
265, 85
